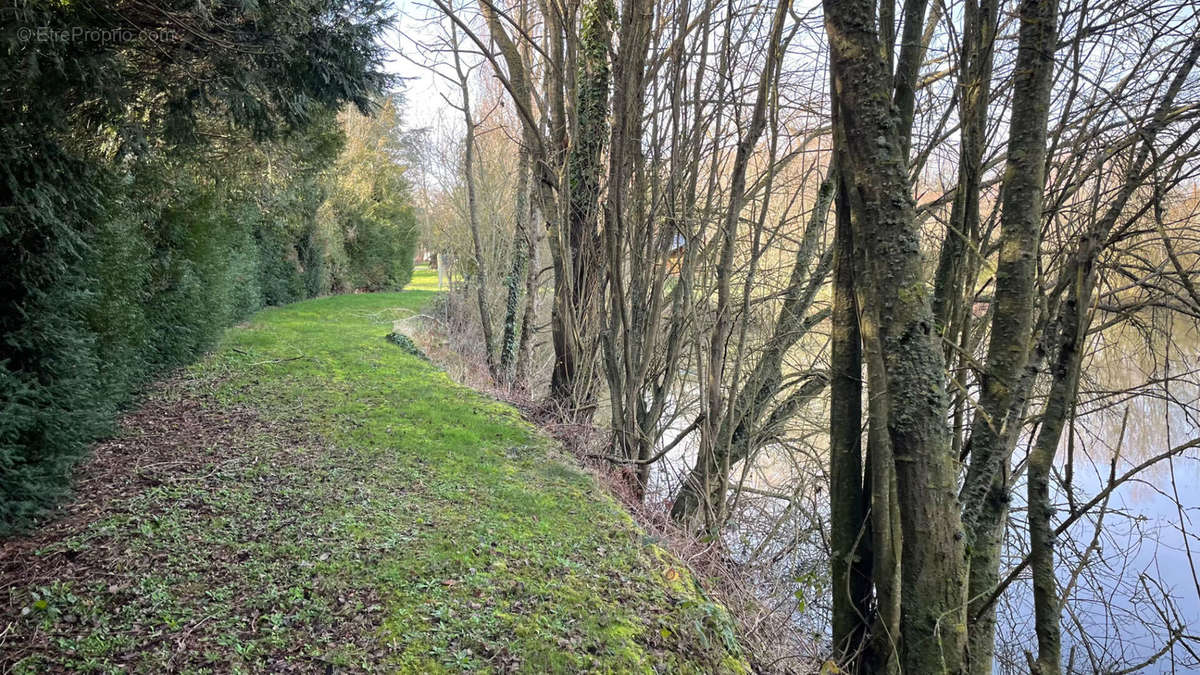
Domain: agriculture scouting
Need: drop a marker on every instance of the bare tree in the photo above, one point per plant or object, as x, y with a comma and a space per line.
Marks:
1001, 178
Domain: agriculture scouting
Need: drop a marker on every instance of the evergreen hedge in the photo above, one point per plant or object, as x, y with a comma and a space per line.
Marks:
155, 187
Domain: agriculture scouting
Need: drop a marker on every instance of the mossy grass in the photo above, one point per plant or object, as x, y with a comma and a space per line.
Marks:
377, 517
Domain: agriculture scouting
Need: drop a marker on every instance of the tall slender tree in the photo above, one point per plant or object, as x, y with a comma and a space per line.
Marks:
899, 324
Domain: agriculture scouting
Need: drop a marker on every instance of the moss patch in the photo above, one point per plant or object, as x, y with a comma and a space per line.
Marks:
311, 497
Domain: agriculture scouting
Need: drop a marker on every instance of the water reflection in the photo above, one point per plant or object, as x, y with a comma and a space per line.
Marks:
1137, 595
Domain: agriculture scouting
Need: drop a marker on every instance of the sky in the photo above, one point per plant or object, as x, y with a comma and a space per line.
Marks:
422, 89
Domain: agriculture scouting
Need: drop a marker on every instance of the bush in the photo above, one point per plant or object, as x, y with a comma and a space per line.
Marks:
140, 215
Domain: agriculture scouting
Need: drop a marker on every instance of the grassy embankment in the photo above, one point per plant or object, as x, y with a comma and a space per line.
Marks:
312, 498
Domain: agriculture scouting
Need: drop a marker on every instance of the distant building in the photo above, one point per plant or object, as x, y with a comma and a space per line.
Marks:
675, 255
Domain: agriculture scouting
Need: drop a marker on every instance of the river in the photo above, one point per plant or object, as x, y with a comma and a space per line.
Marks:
1138, 597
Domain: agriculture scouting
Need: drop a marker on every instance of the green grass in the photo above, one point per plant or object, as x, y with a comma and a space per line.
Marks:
423, 279
377, 516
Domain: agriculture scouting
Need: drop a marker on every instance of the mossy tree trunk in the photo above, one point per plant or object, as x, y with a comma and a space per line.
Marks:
544, 138
932, 567
514, 282
1066, 339
994, 431
579, 262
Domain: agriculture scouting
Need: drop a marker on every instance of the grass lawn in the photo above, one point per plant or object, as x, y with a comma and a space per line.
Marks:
311, 498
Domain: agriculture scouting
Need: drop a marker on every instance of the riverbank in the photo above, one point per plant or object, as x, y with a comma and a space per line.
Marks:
311, 497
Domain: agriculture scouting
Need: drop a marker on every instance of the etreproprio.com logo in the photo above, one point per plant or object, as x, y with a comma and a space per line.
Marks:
99, 35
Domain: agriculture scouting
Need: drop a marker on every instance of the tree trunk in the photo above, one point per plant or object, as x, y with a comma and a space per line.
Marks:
529, 316
545, 154
1071, 324
932, 617
962, 232
577, 288
634, 321
481, 282
514, 282
850, 533
993, 433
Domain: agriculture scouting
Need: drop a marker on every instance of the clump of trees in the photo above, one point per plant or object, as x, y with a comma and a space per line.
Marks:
159, 182
368, 213
882, 243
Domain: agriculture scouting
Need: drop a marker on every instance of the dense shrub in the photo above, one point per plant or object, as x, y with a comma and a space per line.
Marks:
370, 203
143, 209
